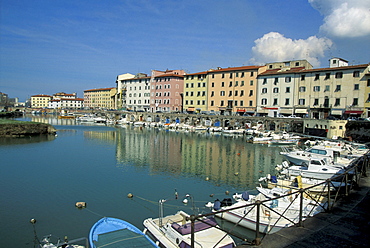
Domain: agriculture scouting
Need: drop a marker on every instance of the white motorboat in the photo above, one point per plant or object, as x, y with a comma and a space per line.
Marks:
274, 214
317, 169
175, 231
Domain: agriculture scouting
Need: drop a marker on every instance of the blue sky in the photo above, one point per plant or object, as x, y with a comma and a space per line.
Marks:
74, 45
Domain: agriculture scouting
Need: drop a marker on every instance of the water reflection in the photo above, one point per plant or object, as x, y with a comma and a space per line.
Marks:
222, 160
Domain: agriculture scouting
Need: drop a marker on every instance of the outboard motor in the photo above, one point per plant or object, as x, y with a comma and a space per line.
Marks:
245, 196
273, 179
217, 205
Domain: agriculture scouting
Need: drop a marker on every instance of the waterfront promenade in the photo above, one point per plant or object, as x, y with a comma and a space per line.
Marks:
347, 225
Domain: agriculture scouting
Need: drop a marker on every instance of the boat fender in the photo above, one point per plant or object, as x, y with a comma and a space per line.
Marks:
245, 196
217, 205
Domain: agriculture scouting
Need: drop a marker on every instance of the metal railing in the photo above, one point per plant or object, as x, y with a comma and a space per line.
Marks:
325, 199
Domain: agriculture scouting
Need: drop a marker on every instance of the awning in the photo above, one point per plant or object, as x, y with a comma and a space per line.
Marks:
270, 108
336, 112
240, 110
286, 111
190, 109
353, 112
300, 111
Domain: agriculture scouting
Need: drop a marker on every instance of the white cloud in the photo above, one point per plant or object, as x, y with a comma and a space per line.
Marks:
275, 47
344, 18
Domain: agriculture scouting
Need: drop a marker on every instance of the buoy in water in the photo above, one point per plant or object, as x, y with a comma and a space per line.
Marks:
211, 195
185, 201
33, 221
80, 205
129, 195
227, 192
207, 178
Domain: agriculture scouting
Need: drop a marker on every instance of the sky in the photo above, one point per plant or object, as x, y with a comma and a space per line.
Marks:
75, 45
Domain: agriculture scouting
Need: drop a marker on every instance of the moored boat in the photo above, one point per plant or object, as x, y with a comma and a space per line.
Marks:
112, 232
175, 231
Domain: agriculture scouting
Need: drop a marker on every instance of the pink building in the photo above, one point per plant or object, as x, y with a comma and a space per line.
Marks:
166, 91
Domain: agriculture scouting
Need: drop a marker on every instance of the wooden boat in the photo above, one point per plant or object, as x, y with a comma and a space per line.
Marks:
175, 231
112, 232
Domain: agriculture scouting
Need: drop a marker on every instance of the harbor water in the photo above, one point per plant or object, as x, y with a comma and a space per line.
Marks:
43, 177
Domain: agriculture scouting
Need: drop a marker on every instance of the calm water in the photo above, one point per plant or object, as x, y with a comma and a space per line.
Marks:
43, 177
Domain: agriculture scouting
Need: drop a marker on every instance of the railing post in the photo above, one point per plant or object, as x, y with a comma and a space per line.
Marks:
346, 179
257, 239
192, 219
301, 207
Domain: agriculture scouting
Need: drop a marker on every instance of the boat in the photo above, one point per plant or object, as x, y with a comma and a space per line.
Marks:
99, 119
112, 232
274, 214
46, 242
85, 118
175, 231
316, 168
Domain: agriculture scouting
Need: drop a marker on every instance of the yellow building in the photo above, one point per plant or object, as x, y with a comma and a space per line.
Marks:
195, 92
40, 101
103, 98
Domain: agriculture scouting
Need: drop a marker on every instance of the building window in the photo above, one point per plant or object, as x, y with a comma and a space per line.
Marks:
231, 75
242, 74
327, 88
241, 103
275, 90
302, 89
231, 84
223, 84
301, 101
339, 74
213, 84
222, 93
357, 87
264, 81
250, 103
236, 83
287, 90
316, 88
236, 93
230, 93
303, 77
212, 93
287, 101
288, 79
368, 82
264, 90
275, 102
327, 76
317, 77
355, 102
337, 102
251, 93
276, 81
356, 74
242, 83
222, 103
337, 88
263, 101
315, 102
212, 103
242, 93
